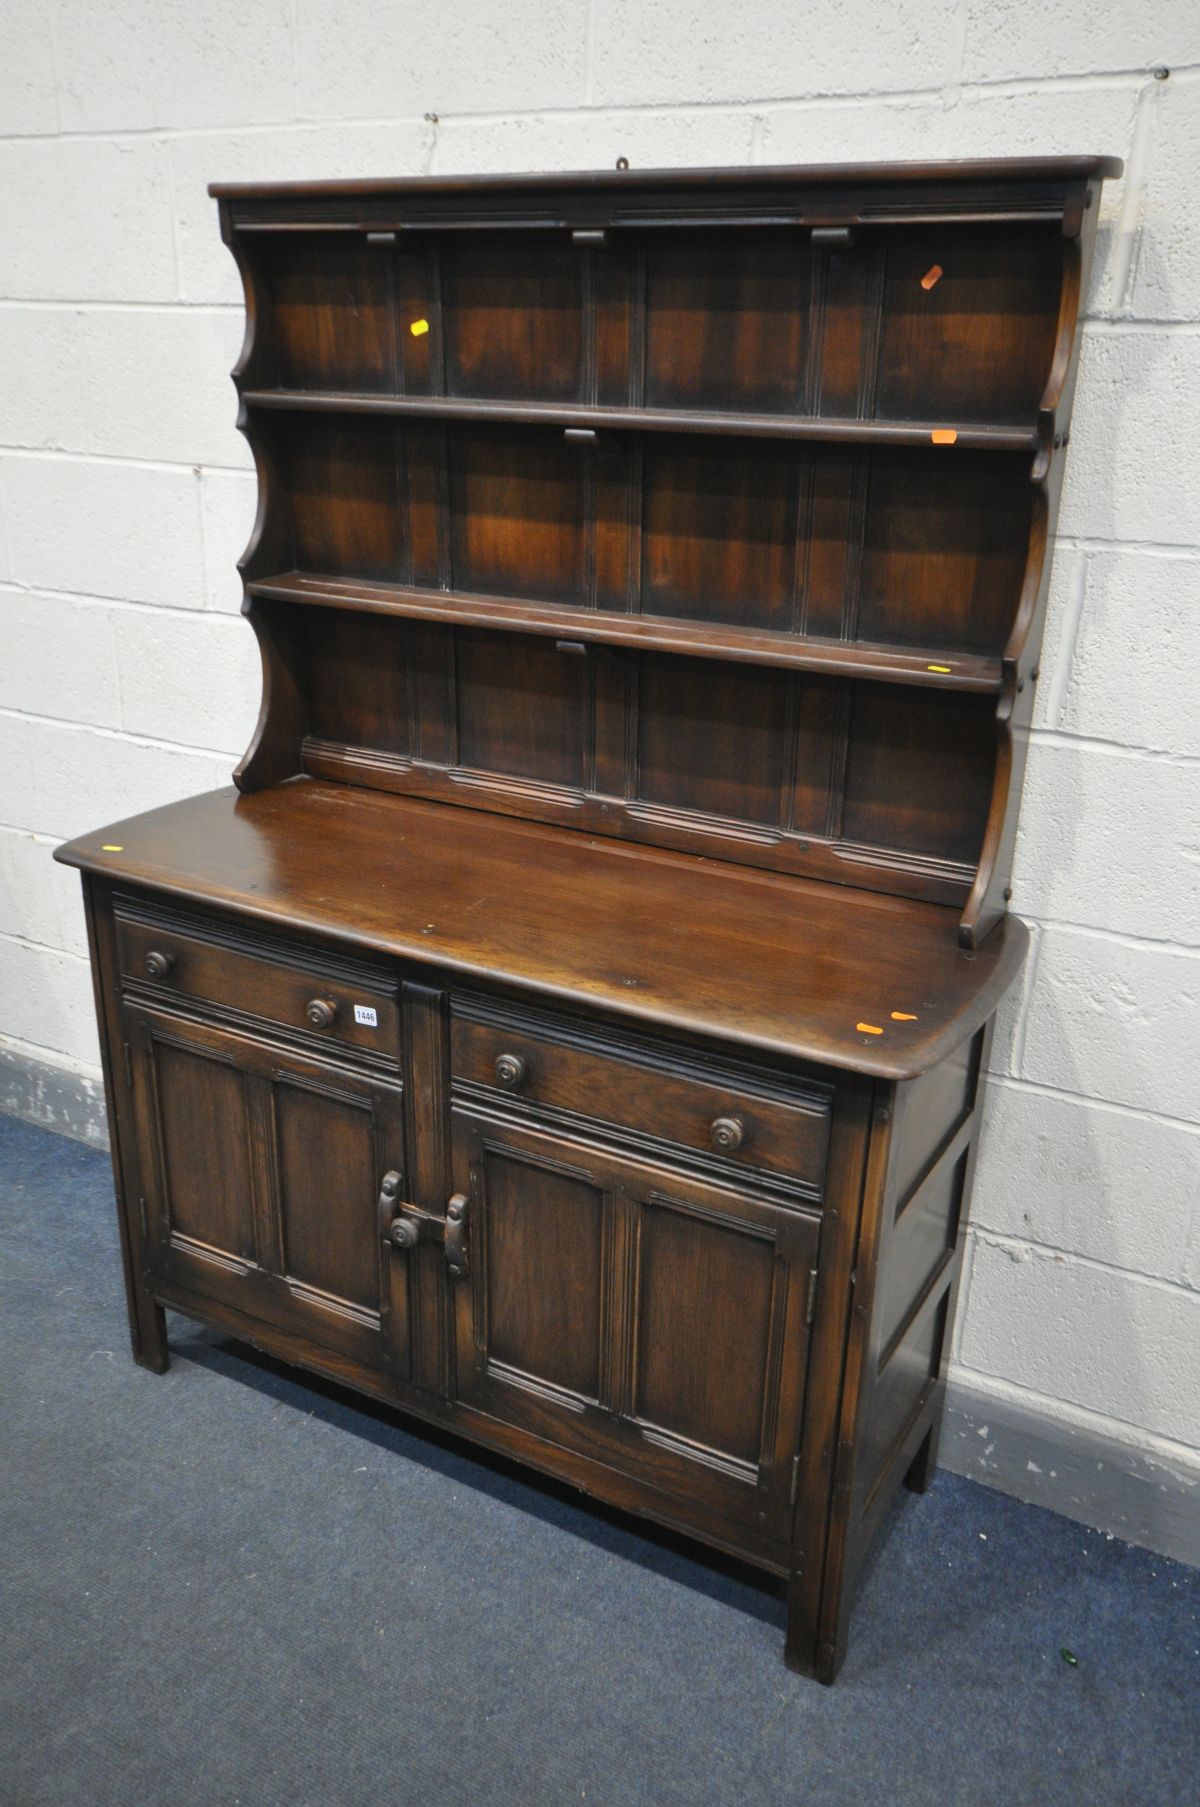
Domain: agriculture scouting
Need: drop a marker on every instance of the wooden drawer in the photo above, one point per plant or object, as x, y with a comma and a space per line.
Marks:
319, 1001
732, 1117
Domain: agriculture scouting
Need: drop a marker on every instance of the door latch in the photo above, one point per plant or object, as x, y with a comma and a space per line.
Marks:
405, 1225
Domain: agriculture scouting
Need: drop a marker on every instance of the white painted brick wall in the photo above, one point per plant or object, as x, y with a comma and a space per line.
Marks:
174, 63
675, 53
1112, 840
126, 497
1121, 628
1167, 285
104, 527
1062, 1172
228, 503
1008, 40
156, 386
87, 218
458, 56
1142, 1371
1114, 1017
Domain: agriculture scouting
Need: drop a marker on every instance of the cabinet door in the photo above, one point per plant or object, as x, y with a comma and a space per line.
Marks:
260, 1175
650, 1320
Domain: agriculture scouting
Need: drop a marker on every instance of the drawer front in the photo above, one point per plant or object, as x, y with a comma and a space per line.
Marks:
722, 1117
182, 965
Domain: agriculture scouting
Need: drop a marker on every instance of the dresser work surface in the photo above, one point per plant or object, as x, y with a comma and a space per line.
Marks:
783, 966
572, 1026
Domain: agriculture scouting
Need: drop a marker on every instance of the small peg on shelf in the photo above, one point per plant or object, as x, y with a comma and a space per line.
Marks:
834, 238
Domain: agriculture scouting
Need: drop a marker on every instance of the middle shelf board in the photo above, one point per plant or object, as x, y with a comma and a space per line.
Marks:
894, 547
930, 667
967, 436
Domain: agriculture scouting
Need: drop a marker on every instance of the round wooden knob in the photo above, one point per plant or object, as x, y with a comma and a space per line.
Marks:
158, 965
727, 1133
510, 1069
320, 1013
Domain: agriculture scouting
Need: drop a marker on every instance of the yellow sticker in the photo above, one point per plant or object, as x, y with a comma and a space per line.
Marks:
109, 847
419, 328
944, 435
903, 1016
868, 1029
945, 668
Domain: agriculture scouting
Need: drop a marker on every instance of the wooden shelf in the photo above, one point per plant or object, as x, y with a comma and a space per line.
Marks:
927, 667
968, 436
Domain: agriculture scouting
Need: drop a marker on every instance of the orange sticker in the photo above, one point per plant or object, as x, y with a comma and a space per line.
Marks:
943, 436
945, 668
933, 274
419, 328
903, 1016
868, 1029
108, 847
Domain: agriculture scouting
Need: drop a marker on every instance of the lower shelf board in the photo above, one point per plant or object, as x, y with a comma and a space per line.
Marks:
929, 667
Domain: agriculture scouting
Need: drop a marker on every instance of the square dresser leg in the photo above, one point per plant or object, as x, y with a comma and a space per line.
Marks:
148, 1333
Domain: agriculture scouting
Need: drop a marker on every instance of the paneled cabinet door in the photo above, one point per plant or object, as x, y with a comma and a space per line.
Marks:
650, 1320
260, 1176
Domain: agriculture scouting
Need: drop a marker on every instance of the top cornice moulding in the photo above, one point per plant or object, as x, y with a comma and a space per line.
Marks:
825, 175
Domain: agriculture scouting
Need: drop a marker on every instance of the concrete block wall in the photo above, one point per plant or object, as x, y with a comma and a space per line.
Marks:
126, 496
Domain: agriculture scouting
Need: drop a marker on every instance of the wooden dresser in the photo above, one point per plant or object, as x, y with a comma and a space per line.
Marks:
572, 1027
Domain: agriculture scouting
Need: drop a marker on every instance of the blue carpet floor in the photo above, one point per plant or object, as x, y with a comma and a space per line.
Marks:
222, 1588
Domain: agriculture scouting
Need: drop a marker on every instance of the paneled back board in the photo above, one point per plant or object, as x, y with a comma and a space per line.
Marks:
649, 573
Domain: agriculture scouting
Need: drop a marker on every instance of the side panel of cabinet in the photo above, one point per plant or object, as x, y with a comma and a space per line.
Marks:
646, 1319
920, 1159
260, 1173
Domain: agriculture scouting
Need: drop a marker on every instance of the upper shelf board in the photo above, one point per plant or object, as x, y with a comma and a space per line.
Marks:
966, 436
